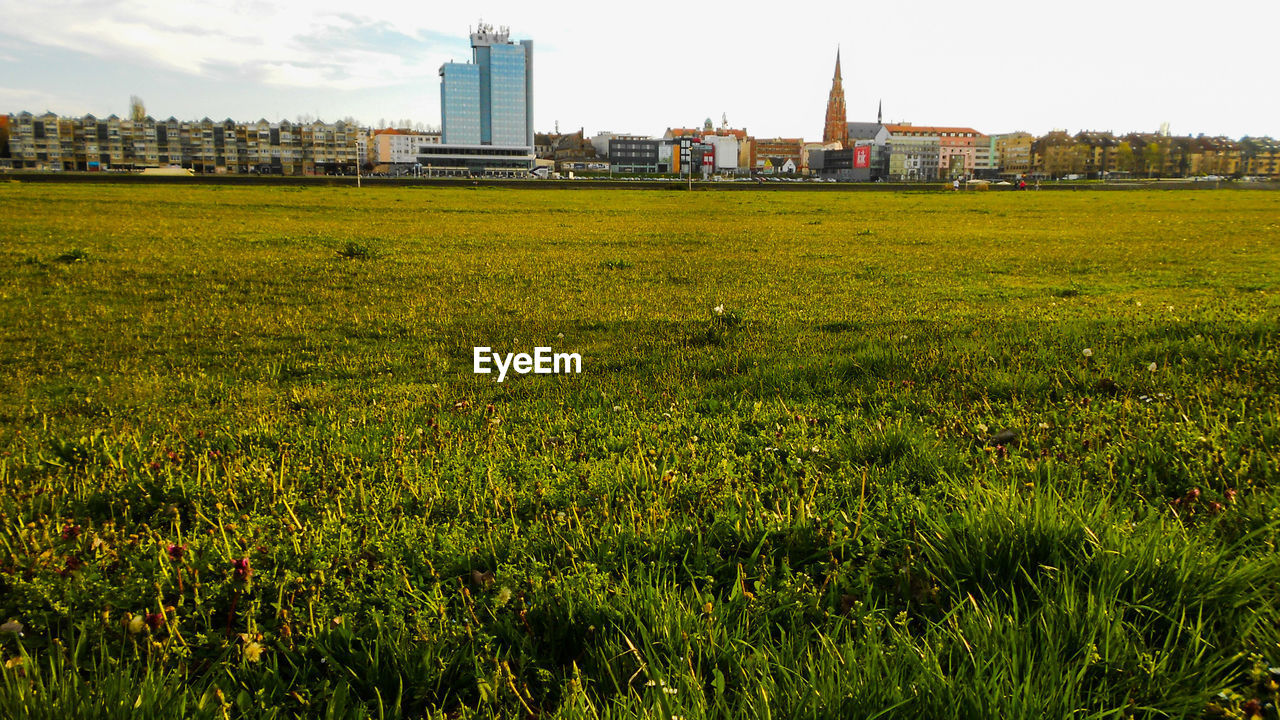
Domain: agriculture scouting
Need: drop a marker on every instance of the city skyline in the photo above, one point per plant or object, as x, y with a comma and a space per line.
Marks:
1086, 69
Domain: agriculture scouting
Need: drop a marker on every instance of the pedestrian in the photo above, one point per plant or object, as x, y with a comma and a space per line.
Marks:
955, 184
1022, 184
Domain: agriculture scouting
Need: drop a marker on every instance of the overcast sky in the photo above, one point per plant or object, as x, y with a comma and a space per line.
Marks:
994, 65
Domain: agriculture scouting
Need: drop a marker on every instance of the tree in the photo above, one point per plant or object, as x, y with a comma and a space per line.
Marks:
137, 110
1124, 157
1153, 157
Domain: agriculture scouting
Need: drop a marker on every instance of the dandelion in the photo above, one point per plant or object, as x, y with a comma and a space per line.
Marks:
719, 309
1152, 367
1088, 352
253, 652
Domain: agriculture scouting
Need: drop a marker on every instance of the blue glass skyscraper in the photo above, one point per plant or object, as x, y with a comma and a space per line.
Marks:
490, 100
460, 103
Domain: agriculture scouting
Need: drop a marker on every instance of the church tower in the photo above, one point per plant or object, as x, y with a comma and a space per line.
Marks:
837, 126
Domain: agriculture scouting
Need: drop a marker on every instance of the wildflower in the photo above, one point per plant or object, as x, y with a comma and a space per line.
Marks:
13, 662
13, 626
70, 532
155, 620
616, 408
504, 596
1139, 303
176, 552
242, 569
136, 623
1152, 367
815, 449
1088, 352
1230, 493
719, 309
560, 336
982, 428
1044, 426
253, 652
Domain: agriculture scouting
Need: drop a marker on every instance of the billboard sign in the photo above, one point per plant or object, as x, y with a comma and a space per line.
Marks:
862, 156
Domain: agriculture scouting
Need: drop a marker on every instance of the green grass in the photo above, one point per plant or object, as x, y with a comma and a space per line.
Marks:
886, 481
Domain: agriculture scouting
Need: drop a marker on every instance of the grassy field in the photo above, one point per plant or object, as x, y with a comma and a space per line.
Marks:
987, 455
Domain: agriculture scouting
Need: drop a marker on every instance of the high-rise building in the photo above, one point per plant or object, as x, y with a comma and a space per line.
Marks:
489, 101
836, 129
460, 103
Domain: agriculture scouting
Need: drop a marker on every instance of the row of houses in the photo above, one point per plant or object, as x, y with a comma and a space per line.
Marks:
904, 152
88, 143
907, 152
869, 151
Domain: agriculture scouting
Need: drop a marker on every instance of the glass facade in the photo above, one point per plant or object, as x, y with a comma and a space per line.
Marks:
460, 111
503, 116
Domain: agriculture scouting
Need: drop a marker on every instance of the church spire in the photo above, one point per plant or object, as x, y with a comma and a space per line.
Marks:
880, 113
836, 128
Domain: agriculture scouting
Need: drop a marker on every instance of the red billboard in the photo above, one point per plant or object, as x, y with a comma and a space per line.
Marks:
862, 156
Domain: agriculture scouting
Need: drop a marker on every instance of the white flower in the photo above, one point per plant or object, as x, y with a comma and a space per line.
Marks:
1088, 352
1152, 367
1044, 426
617, 408
253, 652
982, 428
135, 624
1139, 303
504, 596
815, 449
560, 335
719, 309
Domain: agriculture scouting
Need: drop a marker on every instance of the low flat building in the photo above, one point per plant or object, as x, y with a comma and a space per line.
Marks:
853, 164
634, 154
498, 160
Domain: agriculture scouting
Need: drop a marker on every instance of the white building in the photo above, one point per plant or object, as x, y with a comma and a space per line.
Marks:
399, 147
726, 149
